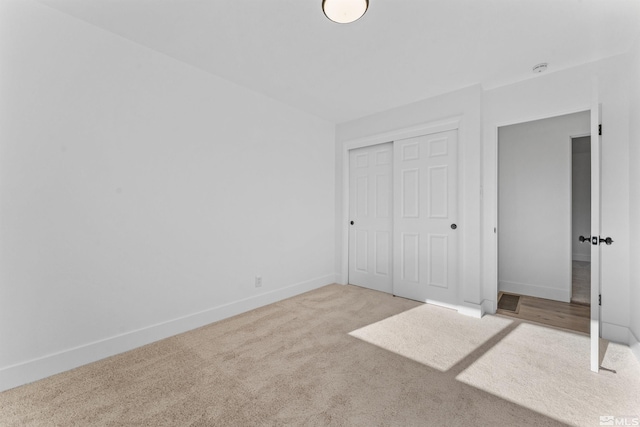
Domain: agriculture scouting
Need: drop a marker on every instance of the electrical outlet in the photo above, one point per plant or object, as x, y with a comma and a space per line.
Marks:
258, 281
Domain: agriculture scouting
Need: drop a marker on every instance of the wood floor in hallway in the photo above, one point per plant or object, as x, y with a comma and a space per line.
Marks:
571, 316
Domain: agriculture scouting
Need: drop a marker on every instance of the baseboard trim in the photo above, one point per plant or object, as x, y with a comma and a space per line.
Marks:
488, 307
42, 367
634, 344
615, 333
563, 295
471, 310
466, 308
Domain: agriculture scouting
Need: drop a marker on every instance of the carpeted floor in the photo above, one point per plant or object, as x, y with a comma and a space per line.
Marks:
340, 356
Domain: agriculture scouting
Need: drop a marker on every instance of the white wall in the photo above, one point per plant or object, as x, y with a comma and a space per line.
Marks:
554, 94
465, 103
534, 206
581, 198
140, 196
634, 198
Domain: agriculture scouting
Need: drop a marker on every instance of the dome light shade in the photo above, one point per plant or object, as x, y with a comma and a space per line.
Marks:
344, 11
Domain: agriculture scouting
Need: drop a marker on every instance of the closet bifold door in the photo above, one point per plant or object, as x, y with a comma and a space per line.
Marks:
425, 232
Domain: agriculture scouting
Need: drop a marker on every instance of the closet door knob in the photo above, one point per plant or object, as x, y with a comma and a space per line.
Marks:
453, 226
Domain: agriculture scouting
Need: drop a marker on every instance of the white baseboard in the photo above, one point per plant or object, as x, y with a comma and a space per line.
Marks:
581, 257
466, 308
42, 367
615, 333
488, 307
472, 310
535, 291
634, 344
341, 280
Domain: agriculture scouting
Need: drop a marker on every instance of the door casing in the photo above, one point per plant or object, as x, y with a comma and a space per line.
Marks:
492, 285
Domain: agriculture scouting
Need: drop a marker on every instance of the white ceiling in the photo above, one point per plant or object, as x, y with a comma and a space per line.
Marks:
400, 52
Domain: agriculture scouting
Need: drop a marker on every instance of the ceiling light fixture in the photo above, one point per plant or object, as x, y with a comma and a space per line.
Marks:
344, 11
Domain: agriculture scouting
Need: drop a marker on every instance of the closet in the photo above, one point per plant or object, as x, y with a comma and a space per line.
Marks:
403, 208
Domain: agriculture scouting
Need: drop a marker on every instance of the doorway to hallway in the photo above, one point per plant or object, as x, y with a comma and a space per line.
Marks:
544, 220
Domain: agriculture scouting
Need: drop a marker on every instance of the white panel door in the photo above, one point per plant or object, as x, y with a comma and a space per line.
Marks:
371, 217
425, 212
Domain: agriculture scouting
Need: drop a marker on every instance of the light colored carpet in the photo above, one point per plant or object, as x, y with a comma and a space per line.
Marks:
545, 370
434, 336
295, 363
540, 368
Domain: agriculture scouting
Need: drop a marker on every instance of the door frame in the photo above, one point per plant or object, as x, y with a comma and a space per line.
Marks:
451, 123
568, 146
493, 285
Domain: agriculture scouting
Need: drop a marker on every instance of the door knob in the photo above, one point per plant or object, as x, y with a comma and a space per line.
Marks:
453, 226
351, 222
584, 239
607, 240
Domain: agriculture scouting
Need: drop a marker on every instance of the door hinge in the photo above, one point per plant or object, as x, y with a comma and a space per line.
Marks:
599, 299
599, 129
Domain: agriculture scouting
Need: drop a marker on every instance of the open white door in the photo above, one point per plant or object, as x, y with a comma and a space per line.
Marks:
595, 233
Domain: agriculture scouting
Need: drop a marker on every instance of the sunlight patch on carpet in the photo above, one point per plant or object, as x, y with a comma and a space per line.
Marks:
434, 336
547, 370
